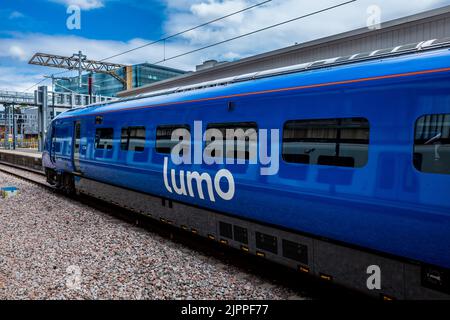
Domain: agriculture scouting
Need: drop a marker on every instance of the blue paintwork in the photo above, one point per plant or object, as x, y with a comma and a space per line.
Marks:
387, 205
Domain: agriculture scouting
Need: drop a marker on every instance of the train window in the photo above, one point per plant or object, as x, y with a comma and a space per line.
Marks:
133, 139
239, 139
164, 142
104, 138
432, 144
62, 140
332, 142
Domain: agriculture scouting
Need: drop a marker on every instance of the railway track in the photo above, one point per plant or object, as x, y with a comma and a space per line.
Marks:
30, 175
304, 285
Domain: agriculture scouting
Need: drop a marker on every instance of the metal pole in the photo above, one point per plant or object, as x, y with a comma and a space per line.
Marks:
7, 146
22, 130
5, 134
80, 70
90, 86
39, 110
53, 97
81, 58
42, 116
14, 127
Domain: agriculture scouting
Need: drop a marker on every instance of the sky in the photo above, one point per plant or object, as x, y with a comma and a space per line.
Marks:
108, 27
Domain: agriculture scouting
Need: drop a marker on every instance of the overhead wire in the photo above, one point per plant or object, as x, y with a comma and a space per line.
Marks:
255, 31
219, 42
187, 30
165, 38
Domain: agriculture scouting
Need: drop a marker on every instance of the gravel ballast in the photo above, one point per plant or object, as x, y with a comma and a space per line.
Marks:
52, 247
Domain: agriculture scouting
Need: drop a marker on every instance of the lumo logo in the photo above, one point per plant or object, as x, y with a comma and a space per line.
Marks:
227, 146
189, 179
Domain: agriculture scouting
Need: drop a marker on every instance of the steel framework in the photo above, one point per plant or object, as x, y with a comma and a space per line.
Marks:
16, 98
58, 99
79, 62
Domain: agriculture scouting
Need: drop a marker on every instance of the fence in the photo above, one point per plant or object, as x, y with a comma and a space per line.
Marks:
32, 143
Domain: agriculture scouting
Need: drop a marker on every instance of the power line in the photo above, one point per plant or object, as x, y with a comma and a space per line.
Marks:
56, 84
39, 82
187, 30
224, 41
34, 85
165, 38
252, 32
255, 31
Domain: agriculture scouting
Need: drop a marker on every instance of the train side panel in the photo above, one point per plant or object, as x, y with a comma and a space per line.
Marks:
385, 212
387, 205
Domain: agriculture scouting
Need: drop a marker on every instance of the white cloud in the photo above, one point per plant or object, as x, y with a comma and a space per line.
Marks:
17, 79
337, 20
215, 9
20, 48
183, 14
16, 15
23, 46
17, 52
83, 4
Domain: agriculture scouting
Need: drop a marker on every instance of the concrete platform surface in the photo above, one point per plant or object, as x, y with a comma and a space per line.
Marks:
23, 152
22, 157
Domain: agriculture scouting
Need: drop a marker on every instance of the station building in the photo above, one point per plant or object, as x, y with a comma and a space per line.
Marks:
25, 124
106, 85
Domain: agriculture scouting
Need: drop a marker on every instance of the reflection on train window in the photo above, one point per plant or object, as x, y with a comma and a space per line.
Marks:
62, 140
432, 144
133, 139
239, 139
331, 142
164, 142
104, 138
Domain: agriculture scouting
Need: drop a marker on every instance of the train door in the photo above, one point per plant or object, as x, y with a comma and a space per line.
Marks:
76, 146
52, 144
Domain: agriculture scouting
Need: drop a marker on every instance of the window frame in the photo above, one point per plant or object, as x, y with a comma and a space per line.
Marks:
176, 126
414, 143
226, 125
112, 139
335, 141
128, 128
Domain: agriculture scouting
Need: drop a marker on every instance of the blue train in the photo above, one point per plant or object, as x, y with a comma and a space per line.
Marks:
341, 168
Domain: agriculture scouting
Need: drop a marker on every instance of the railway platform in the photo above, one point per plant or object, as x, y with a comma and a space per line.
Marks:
27, 158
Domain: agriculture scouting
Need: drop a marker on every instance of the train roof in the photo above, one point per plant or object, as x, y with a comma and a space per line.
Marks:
433, 54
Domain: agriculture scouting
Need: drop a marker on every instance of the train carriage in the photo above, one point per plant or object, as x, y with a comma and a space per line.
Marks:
354, 183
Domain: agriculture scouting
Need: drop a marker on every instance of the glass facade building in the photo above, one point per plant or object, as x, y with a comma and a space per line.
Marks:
106, 85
